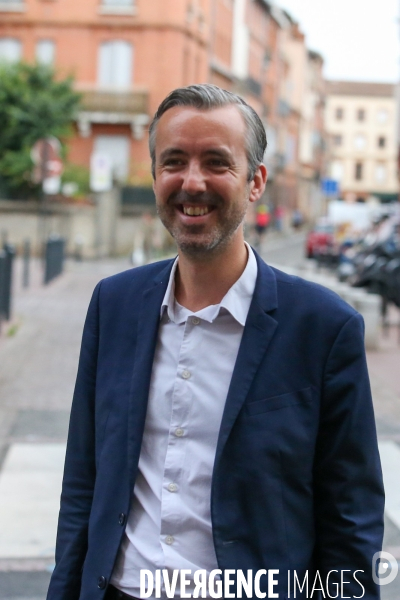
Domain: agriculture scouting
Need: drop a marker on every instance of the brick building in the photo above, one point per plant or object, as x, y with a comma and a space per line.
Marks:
126, 55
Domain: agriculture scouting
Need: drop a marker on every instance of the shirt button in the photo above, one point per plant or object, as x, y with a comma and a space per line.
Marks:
169, 540
195, 320
186, 374
179, 432
172, 487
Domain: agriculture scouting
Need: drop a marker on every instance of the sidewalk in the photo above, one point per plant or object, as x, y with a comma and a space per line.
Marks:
38, 365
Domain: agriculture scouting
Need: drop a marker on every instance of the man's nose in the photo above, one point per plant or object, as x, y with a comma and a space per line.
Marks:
193, 179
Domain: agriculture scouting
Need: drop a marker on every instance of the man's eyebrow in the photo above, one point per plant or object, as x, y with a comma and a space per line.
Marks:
221, 152
169, 151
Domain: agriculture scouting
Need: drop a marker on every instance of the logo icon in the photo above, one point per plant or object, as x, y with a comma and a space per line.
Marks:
384, 568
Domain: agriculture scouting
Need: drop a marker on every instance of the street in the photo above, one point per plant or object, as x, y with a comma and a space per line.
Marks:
38, 361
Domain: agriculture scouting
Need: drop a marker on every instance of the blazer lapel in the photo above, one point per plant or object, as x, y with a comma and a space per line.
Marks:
147, 330
258, 332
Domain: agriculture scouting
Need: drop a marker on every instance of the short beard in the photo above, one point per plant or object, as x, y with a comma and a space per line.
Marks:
216, 241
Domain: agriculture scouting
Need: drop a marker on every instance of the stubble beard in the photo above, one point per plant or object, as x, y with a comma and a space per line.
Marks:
192, 240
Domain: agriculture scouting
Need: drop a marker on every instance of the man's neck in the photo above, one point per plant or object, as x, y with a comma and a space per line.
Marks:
201, 283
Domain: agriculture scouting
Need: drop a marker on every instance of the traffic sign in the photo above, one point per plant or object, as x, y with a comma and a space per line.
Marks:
46, 156
330, 187
100, 172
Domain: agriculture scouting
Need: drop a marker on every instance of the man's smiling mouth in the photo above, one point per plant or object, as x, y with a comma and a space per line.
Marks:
195, 211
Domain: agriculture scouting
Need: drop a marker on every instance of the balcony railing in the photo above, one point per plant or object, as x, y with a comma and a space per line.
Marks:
132, 102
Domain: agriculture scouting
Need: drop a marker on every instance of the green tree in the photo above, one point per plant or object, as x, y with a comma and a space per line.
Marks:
33, 105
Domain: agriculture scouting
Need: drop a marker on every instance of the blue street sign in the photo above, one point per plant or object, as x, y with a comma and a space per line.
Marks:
330, 187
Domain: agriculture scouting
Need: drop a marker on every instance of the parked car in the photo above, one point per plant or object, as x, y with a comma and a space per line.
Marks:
320, 240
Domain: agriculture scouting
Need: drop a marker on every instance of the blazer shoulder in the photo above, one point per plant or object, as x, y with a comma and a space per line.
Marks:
137, 277
317, 297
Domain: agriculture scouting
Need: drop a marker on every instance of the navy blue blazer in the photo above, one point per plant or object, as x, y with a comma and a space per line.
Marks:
296, 483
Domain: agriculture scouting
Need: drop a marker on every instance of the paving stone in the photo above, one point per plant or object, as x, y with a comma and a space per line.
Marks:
24, 585
38, 424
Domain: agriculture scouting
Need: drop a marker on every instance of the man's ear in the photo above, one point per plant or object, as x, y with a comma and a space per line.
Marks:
257, 184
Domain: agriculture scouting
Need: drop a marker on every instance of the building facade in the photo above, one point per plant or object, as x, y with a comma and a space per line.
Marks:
126, 55
362, 121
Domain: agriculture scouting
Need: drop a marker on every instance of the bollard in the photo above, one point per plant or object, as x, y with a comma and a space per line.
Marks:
6, 260
2, 284
26, 255
54, 258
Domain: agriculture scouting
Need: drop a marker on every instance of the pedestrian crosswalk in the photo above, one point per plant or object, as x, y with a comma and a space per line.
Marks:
390, 458
30, 485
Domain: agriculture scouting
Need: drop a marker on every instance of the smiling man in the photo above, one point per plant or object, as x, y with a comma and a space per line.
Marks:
222, 416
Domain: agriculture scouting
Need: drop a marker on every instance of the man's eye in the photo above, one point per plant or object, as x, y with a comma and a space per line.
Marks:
218, 163
173, 162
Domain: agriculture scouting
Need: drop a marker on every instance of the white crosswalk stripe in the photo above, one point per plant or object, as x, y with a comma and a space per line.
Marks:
390, 457
30, 486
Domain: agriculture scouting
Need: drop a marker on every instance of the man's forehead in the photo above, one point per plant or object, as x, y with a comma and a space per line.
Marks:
191, 122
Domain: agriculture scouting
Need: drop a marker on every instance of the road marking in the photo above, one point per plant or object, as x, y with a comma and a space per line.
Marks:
390, 458
30, 486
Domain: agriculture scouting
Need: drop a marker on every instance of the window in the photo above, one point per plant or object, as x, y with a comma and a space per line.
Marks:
115, 64
338, 140
360, 114
127, 3
12, 5
337, 170
360, 141
10, 50
339, 113
382, 116
290, 153
358, 171
381, 141
380, 172
117, 148
45, 52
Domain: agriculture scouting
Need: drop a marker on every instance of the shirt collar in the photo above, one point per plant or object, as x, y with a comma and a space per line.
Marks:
236, 301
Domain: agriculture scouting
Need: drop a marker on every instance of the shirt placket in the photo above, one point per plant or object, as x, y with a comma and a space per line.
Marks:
179, 431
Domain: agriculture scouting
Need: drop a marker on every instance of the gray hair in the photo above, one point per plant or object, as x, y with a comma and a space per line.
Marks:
206, 96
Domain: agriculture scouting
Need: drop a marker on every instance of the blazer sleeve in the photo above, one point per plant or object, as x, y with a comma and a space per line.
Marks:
79, 471
349, 497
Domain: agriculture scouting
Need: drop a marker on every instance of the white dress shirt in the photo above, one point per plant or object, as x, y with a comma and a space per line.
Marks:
169, 524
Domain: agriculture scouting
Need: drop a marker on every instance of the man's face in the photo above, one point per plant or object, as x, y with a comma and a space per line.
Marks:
201, 177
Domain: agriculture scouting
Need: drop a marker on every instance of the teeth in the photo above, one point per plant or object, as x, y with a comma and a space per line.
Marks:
195, 211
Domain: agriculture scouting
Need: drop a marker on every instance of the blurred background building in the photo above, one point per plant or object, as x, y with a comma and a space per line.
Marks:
361, 120
126, 55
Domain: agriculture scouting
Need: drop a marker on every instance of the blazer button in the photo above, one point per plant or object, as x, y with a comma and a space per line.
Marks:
101, 582
121, 518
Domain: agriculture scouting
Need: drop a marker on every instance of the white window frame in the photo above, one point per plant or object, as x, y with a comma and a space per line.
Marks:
381, 173
382, 116
107, 68
360, 141
18, 43
12, 6
117, 7
337, 170
50, 44
119, 156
